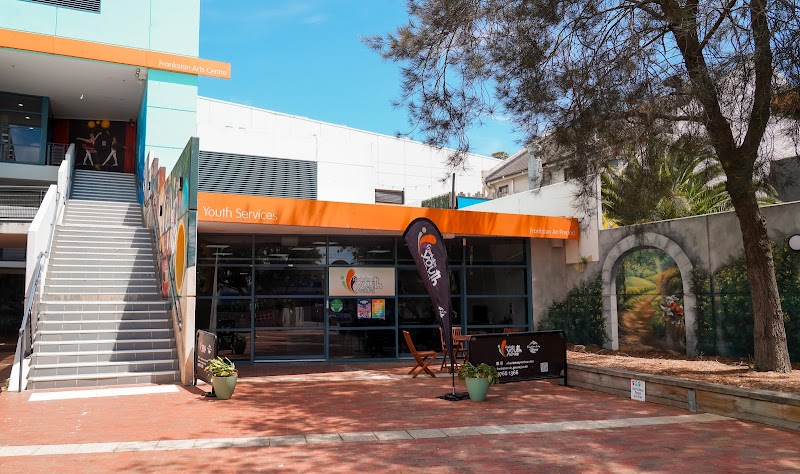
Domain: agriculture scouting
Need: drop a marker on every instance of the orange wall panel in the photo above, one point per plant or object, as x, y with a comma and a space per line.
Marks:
230, 208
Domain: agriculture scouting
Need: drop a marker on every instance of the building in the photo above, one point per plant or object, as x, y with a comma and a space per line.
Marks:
279, 233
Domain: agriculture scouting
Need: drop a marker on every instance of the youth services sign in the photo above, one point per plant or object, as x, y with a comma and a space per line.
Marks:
355, 281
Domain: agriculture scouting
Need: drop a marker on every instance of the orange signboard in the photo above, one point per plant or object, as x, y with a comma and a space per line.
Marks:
113, 54
231, 208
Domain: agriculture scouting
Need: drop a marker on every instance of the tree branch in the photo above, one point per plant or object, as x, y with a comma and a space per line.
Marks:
726, 10
762, 93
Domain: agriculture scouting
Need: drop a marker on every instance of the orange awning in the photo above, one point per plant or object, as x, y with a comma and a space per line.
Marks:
236, 209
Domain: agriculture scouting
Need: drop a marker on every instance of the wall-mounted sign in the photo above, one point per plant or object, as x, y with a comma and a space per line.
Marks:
358, 281
336, 305
364, 309
379, 309
111, 53
263, 210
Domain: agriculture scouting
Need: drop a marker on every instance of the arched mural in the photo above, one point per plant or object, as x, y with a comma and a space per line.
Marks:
650, 302
666, 307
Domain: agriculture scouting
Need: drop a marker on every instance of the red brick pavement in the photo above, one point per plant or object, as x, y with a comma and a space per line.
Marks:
303, 407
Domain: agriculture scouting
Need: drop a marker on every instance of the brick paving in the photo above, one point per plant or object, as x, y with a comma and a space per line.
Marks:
370, 418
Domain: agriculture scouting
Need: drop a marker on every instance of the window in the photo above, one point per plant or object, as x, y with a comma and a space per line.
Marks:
502, 191
387, 196
84, 5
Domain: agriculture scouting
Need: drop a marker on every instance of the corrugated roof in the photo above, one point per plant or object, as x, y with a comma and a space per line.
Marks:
513, 165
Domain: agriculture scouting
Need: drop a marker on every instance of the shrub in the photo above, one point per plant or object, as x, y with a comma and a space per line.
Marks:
580, 316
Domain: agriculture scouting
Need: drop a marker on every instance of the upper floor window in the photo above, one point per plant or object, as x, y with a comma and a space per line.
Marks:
84, 5
502, 191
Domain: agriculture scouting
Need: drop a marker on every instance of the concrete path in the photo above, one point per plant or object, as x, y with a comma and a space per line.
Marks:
371, 418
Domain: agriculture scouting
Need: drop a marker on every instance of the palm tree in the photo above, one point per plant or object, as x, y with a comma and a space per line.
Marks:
668, 181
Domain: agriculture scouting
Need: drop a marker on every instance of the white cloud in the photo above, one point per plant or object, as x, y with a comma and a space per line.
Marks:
315, 19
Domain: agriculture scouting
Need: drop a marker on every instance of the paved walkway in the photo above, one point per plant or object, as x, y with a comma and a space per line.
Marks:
370, 418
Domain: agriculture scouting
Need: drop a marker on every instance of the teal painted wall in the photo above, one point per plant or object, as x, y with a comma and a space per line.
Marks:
175, 27
169, 115
171, 26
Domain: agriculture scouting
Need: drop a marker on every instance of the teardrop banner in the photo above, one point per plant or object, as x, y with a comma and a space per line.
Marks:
426, 245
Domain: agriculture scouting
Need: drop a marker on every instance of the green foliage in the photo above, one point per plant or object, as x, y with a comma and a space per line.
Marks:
729, 306
637, 283
482, 371
669, 281
659, 324
218, 367
441, 201
704, 318
682, 179
580, 316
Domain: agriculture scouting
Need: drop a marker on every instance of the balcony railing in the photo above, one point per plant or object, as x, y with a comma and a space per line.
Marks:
20, 203
55, 153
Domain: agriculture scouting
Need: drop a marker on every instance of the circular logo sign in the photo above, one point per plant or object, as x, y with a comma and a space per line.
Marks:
336, 305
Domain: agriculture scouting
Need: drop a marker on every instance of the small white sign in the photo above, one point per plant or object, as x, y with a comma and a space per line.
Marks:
544, 367
637, 390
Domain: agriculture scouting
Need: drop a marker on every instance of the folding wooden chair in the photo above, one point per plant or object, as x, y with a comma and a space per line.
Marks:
423, 358
458, 346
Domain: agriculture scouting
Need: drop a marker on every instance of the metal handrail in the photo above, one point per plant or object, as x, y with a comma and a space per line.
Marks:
30, 319
27, 319
173, 297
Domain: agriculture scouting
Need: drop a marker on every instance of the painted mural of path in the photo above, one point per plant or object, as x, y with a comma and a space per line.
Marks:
636, 328
649, 299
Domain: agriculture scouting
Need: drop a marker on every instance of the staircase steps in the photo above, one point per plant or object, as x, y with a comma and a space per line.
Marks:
102, 320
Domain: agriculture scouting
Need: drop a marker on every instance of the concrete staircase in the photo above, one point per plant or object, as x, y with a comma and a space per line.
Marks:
102, 320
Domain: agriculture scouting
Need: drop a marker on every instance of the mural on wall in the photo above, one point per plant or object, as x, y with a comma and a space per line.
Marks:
650, 303
725, 316
174, 205
99, 144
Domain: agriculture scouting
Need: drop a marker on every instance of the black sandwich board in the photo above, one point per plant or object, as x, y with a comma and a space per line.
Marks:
205, 350
521, 356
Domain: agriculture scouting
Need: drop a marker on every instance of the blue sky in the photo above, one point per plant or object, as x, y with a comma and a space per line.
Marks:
305, 57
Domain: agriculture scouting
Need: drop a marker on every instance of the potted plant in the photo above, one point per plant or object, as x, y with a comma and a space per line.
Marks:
239, 343
223, 377
478, 379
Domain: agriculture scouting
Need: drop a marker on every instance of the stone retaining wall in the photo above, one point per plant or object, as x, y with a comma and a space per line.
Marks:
762, 406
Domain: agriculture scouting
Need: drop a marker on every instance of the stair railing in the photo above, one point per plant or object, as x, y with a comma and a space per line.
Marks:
30, 319
25, 338
163, 261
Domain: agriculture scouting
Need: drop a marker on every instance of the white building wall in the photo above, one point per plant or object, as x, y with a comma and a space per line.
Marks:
555, 200
352, 163
520, 184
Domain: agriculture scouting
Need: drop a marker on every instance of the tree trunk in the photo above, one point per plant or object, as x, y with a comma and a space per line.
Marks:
769, 333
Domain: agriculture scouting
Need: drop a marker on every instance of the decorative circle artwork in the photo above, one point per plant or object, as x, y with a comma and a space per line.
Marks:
794, 242
180, 257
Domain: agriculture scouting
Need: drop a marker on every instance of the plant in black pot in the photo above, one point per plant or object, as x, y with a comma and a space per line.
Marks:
239, 343
223, 377
478, 379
